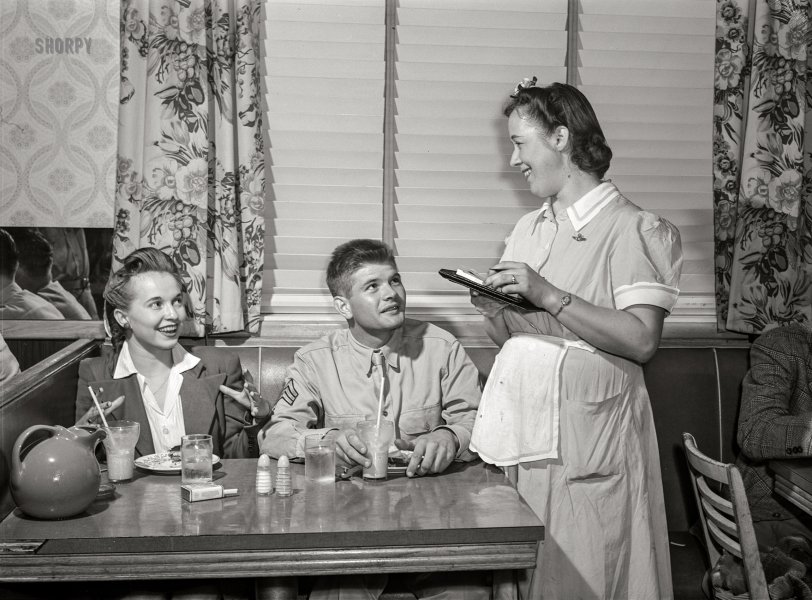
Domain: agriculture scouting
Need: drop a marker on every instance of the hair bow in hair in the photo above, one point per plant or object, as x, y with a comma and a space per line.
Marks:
525, 83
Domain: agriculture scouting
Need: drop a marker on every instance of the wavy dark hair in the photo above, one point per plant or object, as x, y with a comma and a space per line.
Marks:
118, 295
560, 104
351, 256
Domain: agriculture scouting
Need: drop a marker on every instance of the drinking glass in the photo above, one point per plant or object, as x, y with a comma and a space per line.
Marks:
377, 440
119, 445
320, 459
195, 458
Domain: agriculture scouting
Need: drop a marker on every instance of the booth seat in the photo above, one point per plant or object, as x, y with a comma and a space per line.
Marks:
693, 389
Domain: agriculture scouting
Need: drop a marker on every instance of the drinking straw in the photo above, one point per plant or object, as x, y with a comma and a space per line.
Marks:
378, 360
380, 404
98, 406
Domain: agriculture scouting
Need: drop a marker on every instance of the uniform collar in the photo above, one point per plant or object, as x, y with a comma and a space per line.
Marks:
390, 351
584, 209
181, 361
590, 204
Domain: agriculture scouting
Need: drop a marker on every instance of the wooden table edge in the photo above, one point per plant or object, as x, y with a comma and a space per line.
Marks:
267, 563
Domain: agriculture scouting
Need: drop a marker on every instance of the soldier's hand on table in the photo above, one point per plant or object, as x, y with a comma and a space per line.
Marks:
91, 417
350, 449
432, 452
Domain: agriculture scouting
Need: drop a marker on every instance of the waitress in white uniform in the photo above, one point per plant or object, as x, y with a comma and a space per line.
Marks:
569, 379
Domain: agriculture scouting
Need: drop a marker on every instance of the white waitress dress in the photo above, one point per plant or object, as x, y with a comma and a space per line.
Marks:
600, 493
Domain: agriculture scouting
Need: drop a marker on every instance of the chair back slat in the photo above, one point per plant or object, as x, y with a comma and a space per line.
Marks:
722, 522
726, 524
713, 498
724, 540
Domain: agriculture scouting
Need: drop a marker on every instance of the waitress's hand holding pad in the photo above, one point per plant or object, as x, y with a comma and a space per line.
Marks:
474, 283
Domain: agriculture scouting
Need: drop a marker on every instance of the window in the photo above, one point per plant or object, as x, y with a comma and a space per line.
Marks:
325, 81
426, 168
647, 68
455, 196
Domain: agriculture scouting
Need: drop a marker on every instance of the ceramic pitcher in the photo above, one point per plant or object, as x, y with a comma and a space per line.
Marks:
59, 476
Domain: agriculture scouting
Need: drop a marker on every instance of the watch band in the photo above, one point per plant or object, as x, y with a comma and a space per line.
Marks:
566, 299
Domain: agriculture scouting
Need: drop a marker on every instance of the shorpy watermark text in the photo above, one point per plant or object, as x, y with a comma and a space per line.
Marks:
62, 45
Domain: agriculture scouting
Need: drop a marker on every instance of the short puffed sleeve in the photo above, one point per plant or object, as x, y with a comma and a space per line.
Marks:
647, 263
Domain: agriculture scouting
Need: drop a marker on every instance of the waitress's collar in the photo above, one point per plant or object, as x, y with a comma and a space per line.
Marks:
181, 361
583, 210
390, 351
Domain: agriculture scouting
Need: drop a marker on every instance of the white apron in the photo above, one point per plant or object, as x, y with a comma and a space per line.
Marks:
517, 419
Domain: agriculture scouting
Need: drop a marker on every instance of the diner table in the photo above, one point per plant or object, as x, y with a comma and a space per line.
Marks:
793, 481
469, 518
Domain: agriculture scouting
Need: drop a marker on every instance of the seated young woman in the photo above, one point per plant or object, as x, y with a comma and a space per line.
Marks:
150, 378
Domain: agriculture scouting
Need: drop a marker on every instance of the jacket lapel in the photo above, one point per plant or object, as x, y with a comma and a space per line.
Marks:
198, 395
132, 409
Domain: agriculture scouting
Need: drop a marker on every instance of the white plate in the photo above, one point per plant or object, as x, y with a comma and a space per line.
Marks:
165, 462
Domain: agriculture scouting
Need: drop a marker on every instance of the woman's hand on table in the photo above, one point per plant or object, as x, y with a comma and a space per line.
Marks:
91, 417
249, 398
432, 452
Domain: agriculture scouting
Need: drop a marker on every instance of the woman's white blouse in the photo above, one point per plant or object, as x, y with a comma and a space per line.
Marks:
166, 424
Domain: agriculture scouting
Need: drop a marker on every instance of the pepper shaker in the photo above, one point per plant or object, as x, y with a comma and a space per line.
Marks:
283, 484
264, 483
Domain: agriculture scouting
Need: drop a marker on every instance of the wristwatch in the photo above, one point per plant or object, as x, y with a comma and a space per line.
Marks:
566, 299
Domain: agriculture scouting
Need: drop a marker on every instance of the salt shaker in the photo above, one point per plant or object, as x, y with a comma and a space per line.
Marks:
264, 485
283, 485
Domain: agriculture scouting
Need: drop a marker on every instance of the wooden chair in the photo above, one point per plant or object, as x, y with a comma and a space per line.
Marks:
726, 524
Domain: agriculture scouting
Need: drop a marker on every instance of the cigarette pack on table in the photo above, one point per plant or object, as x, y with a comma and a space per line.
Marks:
205, 491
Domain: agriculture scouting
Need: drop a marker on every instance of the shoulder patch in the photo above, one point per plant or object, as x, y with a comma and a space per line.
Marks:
289, 394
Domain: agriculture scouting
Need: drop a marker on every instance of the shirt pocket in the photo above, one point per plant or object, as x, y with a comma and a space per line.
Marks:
418, 421
343, 421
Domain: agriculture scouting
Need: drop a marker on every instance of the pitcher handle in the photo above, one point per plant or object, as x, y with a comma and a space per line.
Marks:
16, 463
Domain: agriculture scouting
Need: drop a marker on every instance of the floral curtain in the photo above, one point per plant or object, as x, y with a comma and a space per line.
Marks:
762, 164
191, 173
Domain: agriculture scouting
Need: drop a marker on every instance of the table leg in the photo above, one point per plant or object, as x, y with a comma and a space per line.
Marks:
276, 588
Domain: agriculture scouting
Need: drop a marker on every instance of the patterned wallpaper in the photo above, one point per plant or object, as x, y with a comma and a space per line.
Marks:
59, 86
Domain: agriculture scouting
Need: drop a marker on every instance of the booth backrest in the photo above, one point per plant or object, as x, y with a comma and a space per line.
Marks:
695, 390
44, 394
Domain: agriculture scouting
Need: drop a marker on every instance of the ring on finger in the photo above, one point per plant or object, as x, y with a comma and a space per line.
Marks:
514, 279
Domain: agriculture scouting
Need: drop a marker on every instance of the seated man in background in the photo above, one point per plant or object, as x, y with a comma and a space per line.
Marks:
775, 421
34, 273
15, 302
71, 263
431, 392
9, 366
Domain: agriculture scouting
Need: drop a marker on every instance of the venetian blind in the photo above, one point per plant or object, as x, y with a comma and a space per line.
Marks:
647, 68
324, 87
456, 197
